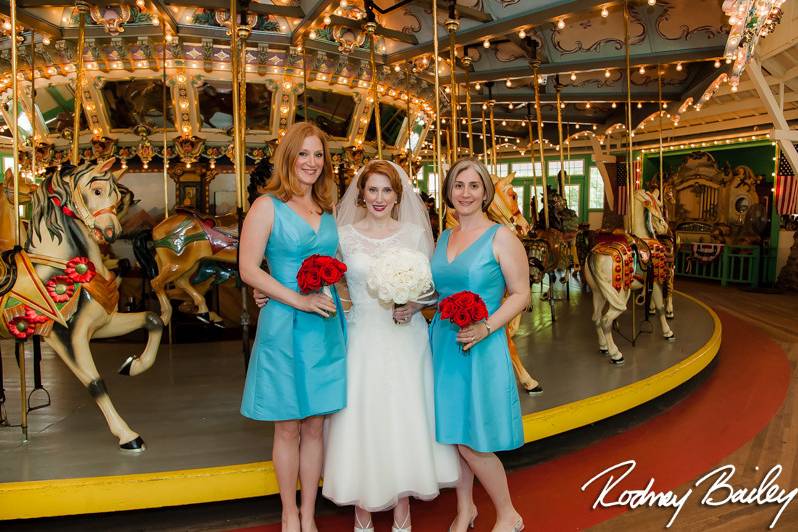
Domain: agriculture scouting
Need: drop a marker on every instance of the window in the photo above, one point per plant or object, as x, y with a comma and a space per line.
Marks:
596, 199
503, 170
519, 191
572, 195
572, 166
525, 169
432, 184
8, 162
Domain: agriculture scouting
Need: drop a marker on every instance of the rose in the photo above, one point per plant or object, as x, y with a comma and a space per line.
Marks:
478, 313
467, 299
446, 308
329, 274
461, 318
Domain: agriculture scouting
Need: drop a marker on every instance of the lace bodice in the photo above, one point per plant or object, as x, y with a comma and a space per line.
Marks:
358, 251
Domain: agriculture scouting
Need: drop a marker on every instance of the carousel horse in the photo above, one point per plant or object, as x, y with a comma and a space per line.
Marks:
504, 210
59, 288
180, 243
623, 263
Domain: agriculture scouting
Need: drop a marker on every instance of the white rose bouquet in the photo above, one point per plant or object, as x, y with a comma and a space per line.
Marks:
400, 275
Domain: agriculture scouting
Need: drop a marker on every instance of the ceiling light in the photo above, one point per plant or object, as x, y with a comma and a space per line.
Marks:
327, 20
486, 43
652, 2
509, 83
521, 34
607, 73
605, 12
679, 67
477, 86
717, 63
573, 76
639, 105
642, 70
561, 24
614, 105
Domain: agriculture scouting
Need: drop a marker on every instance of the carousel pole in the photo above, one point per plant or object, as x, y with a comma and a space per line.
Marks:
437, 115
409, 126
165, 176
534, 63
493, 139
83, 9
305, 79
452, 25
238, 35
561, 173
532, 160
629, 163
18, 345
484, 139
33, 103
659, 90
371, 27
467, 64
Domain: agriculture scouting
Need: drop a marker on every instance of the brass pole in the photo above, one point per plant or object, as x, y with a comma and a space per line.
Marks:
371, 27
19, 346
164, 96
484, 139
83, 8
659, 90
409, 126
33, 104
243, 34
532, 160
568, 148
452, 24
535, 64
467, 65
629, 163
561, 174
493, 138
305, 75
437, 114
236, 66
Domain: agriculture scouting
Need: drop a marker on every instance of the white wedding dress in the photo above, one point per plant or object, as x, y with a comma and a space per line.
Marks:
382, 445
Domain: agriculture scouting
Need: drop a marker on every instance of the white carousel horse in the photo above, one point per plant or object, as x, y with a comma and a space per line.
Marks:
611, 271
59, 288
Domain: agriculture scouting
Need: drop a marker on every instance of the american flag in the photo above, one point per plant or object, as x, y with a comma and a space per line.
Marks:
786, 188
621, 199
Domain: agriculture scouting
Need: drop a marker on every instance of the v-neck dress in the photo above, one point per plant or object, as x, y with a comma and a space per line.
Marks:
476, 399
297, 368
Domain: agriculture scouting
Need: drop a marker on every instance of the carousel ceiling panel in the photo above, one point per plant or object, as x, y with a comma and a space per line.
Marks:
216, 105
332, 111
130, 103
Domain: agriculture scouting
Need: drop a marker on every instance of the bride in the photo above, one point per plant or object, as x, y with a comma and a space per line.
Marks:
381, 448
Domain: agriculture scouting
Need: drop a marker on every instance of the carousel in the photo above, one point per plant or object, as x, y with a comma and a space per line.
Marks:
135, 135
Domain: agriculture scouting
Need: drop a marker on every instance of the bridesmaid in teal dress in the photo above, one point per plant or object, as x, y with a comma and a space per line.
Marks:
297, 370
476, 399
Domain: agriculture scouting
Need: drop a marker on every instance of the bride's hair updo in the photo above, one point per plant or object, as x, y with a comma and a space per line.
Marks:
379, 167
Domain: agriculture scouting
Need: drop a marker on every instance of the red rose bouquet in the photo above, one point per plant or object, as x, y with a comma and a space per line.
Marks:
318, 272
463, 309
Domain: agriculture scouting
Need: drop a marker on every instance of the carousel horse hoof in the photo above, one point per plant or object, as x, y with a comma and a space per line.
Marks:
669, 315
218, 324
537, 390
617, 361
672, 337
205, 317
604, 351
124, 369
134, 446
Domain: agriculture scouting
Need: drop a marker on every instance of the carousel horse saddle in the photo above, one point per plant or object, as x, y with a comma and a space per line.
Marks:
219, 236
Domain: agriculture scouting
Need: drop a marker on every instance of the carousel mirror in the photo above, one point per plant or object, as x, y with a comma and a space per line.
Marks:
216, 105
137, 101
392, 119
332, 111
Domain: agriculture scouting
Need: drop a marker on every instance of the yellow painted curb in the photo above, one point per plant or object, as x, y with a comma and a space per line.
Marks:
47, 498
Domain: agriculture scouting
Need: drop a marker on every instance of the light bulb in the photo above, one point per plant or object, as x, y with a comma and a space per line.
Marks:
521, 34
717, 63
607, 73
486, 43
614, 105
508, 83
679, 67
327, 20
652, 2
573, 76
642, 70
561, 24
605, 12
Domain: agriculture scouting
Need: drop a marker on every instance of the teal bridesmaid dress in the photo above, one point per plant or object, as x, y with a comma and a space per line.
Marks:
298, 364
476, 399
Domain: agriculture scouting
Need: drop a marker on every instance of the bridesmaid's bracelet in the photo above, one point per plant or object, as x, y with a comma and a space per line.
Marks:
488, 327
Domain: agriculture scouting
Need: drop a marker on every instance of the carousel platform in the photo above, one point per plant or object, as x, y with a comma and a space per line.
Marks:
199, 449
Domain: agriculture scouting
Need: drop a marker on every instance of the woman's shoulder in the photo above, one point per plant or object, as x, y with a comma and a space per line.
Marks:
263, 205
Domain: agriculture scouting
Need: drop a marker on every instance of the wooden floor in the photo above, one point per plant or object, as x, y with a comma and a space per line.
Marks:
777, 314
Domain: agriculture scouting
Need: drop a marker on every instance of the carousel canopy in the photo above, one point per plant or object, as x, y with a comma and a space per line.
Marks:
167, 63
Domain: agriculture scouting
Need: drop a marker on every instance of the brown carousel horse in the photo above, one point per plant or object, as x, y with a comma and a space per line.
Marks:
59, 288
504, 210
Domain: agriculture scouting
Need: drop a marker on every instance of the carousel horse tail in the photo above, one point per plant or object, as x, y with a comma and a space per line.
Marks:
615, 298
144, 252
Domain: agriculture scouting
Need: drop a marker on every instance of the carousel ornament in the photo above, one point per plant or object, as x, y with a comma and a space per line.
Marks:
258, 153
347, 38
111, 17
189, 148
212, 153
102, 148
223, 18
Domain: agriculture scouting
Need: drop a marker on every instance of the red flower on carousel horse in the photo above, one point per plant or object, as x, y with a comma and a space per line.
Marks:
24, 326
61, 288
80, 270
